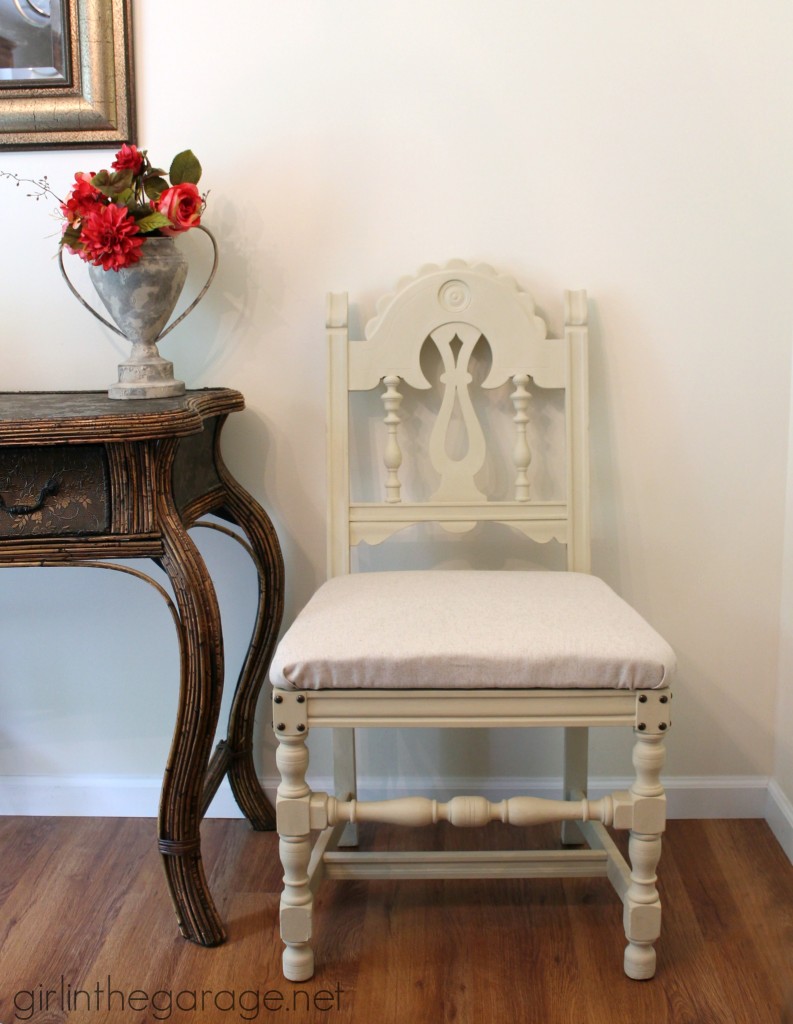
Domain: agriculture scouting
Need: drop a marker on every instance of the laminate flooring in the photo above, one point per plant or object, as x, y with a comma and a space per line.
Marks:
88, 934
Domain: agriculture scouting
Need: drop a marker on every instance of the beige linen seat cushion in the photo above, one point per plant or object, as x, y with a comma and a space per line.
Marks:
470, 629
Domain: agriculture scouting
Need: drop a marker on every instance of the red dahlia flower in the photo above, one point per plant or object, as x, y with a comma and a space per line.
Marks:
110, 238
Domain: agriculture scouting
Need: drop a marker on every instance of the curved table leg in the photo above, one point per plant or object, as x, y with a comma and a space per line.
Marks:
200, 692
242, 510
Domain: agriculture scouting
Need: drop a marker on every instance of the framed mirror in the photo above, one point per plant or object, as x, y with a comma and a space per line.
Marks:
66, 74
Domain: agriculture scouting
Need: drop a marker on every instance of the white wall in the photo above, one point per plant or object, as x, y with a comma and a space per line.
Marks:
640, 150
780, 798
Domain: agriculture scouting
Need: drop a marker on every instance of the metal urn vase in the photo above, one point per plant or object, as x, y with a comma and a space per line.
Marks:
140, 300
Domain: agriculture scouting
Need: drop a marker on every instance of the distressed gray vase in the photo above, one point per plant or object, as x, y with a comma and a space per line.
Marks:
140, 300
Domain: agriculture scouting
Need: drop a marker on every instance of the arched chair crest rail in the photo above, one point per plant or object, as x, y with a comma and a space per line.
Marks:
462, 647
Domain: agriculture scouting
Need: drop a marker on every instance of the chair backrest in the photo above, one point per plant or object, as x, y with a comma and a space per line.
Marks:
474, 338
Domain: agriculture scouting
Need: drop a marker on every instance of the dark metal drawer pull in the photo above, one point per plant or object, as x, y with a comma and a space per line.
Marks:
51, 487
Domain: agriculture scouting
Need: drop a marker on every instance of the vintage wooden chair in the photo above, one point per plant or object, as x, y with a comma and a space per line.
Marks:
450, 648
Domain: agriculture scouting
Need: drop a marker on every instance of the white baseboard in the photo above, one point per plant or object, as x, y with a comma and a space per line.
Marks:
779, 815
136, 797
77, 796
98, 796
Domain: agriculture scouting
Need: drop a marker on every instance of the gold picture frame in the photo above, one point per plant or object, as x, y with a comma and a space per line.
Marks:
96, 104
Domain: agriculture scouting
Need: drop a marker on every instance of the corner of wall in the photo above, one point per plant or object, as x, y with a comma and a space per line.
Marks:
779, 815
779, 810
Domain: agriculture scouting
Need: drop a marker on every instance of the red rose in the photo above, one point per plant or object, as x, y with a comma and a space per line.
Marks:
182, 205
128, 158
110, 238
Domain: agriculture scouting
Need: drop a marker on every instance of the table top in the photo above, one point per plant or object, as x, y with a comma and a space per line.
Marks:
58, 417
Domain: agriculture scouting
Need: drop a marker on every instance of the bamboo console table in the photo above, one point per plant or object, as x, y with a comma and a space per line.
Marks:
84, 480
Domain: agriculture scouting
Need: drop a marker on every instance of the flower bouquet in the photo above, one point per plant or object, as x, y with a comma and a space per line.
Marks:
109, 215
125, 220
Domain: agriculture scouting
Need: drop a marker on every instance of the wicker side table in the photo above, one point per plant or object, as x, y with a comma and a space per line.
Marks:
85, 480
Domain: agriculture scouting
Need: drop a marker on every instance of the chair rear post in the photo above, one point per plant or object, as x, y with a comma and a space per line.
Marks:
338, 463
577, 429
338, 546
576, 741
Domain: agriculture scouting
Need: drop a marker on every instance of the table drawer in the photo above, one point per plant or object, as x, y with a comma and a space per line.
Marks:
51, 491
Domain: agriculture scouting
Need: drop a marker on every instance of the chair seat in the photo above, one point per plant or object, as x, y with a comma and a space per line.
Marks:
470, 629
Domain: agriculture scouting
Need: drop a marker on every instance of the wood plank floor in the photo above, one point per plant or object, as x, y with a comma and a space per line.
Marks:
85, 920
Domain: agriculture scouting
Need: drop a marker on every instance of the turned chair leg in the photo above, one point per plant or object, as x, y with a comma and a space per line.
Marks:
642, 905
576, 777
292, 815
345, 781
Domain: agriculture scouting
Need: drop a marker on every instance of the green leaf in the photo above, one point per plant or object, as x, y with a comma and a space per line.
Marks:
113, 185
153, 222
154, 187
185, 168
101, 182
71, 237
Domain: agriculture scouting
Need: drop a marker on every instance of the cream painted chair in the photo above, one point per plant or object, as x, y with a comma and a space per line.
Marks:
450, 648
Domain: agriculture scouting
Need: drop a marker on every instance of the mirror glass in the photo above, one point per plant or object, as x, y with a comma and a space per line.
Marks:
33, 43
